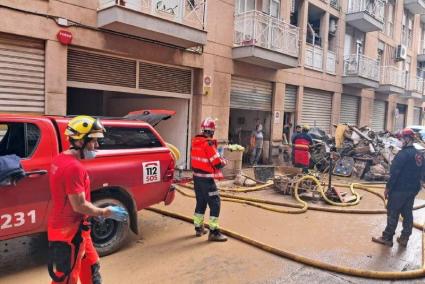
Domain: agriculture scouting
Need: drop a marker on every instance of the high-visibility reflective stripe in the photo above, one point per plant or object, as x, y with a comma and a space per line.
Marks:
198, 219
203, 160
301, 147
214, 157
213, 193
213, 223
214, 175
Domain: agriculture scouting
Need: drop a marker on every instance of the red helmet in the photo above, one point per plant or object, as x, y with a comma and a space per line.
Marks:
208, 124
407, 132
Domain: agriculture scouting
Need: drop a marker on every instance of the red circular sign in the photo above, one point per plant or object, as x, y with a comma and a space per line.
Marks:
64, 37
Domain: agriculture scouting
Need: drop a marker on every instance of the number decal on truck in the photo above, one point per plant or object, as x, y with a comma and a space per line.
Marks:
16, 219
151, 172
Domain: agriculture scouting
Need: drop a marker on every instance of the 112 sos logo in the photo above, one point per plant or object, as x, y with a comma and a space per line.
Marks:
151, 172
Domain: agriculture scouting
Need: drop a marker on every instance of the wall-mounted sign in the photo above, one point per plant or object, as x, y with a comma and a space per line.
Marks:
64, 37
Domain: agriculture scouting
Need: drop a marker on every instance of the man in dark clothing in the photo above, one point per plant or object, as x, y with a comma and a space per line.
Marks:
301, 149
401, 190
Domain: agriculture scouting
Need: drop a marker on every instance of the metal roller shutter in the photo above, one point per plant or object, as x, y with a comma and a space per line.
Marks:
290, 98
165, 78
417, 116
22, 64
349, 109
251, 94
379, 110
317, 109
89, 67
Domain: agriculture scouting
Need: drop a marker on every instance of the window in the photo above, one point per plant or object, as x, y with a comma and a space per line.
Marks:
20, 139
128, 138
389, 16
381, 48
245, 6
407, 29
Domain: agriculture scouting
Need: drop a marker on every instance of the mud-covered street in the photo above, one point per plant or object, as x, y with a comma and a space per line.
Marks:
166, 250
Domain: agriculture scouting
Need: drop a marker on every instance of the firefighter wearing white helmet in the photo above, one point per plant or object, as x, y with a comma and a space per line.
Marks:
206, 165
72, 256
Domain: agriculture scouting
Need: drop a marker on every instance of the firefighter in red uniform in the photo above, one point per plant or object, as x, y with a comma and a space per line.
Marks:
71, 252
206, 165
301, 145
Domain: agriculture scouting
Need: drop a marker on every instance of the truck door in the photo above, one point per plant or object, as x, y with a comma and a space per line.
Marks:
23, 206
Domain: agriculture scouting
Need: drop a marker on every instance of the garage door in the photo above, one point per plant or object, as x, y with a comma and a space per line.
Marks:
417, 116
379, 110
21, 75
290, 98
317, 109
251, 94
349, 109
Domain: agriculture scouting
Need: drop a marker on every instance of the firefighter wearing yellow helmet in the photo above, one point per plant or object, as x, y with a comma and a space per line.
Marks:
72, 256
80, 130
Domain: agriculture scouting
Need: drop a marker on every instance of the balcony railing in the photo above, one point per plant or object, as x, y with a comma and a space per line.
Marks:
391, 75
335, 4
313, 56
362, 66
188, 12
331, 62
421, 49
375, 8
262, 30
415, 84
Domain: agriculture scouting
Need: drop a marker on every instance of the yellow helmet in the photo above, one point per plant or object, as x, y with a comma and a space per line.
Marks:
306, 127
83, 126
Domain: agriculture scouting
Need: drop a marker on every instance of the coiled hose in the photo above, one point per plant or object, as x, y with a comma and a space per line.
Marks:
303, 207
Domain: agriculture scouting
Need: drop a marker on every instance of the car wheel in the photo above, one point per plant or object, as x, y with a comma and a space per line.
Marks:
108, 235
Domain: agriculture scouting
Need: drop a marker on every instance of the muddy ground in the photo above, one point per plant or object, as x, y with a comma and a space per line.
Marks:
166, 250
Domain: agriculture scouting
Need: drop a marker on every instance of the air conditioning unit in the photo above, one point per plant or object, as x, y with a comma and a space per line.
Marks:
401, 52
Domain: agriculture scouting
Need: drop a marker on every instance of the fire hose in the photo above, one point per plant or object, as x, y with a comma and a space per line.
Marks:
303, 207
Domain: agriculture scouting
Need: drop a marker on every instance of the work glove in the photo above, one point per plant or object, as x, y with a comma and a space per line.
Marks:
118, 213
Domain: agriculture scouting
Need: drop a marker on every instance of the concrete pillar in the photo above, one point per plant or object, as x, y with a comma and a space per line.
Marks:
302, 24
299, 105
55, 82
324, 34
336, 110
392, 104
366, 105
278, 107
409, 112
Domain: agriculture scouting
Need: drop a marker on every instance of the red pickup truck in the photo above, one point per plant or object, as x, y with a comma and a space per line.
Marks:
133, 168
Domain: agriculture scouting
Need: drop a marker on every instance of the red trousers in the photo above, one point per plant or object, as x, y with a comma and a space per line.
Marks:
86, 267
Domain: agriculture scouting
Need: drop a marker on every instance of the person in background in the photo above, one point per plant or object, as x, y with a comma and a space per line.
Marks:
287, 132
257, 134
406, 175
301, 143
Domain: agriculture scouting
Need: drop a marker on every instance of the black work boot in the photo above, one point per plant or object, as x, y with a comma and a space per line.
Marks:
216, 236
383, 241
200, 231
402, 241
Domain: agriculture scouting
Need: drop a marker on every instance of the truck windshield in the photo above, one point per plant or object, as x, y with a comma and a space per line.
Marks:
128, 138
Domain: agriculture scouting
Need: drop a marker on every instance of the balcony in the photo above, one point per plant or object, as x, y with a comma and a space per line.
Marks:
392, 80
331, 63
175, 22
265, 41
361, 71
415, 87
421, 51
366, 15
415, 6
313, 57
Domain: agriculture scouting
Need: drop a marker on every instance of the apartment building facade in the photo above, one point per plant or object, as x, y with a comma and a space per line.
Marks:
301, 61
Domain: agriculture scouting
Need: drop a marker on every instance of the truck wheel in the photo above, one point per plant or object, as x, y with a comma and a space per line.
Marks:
108, 236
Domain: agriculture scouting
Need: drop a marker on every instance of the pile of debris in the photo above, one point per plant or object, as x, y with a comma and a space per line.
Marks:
359, 152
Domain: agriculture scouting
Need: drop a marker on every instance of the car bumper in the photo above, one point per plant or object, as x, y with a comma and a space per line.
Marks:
171, 194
